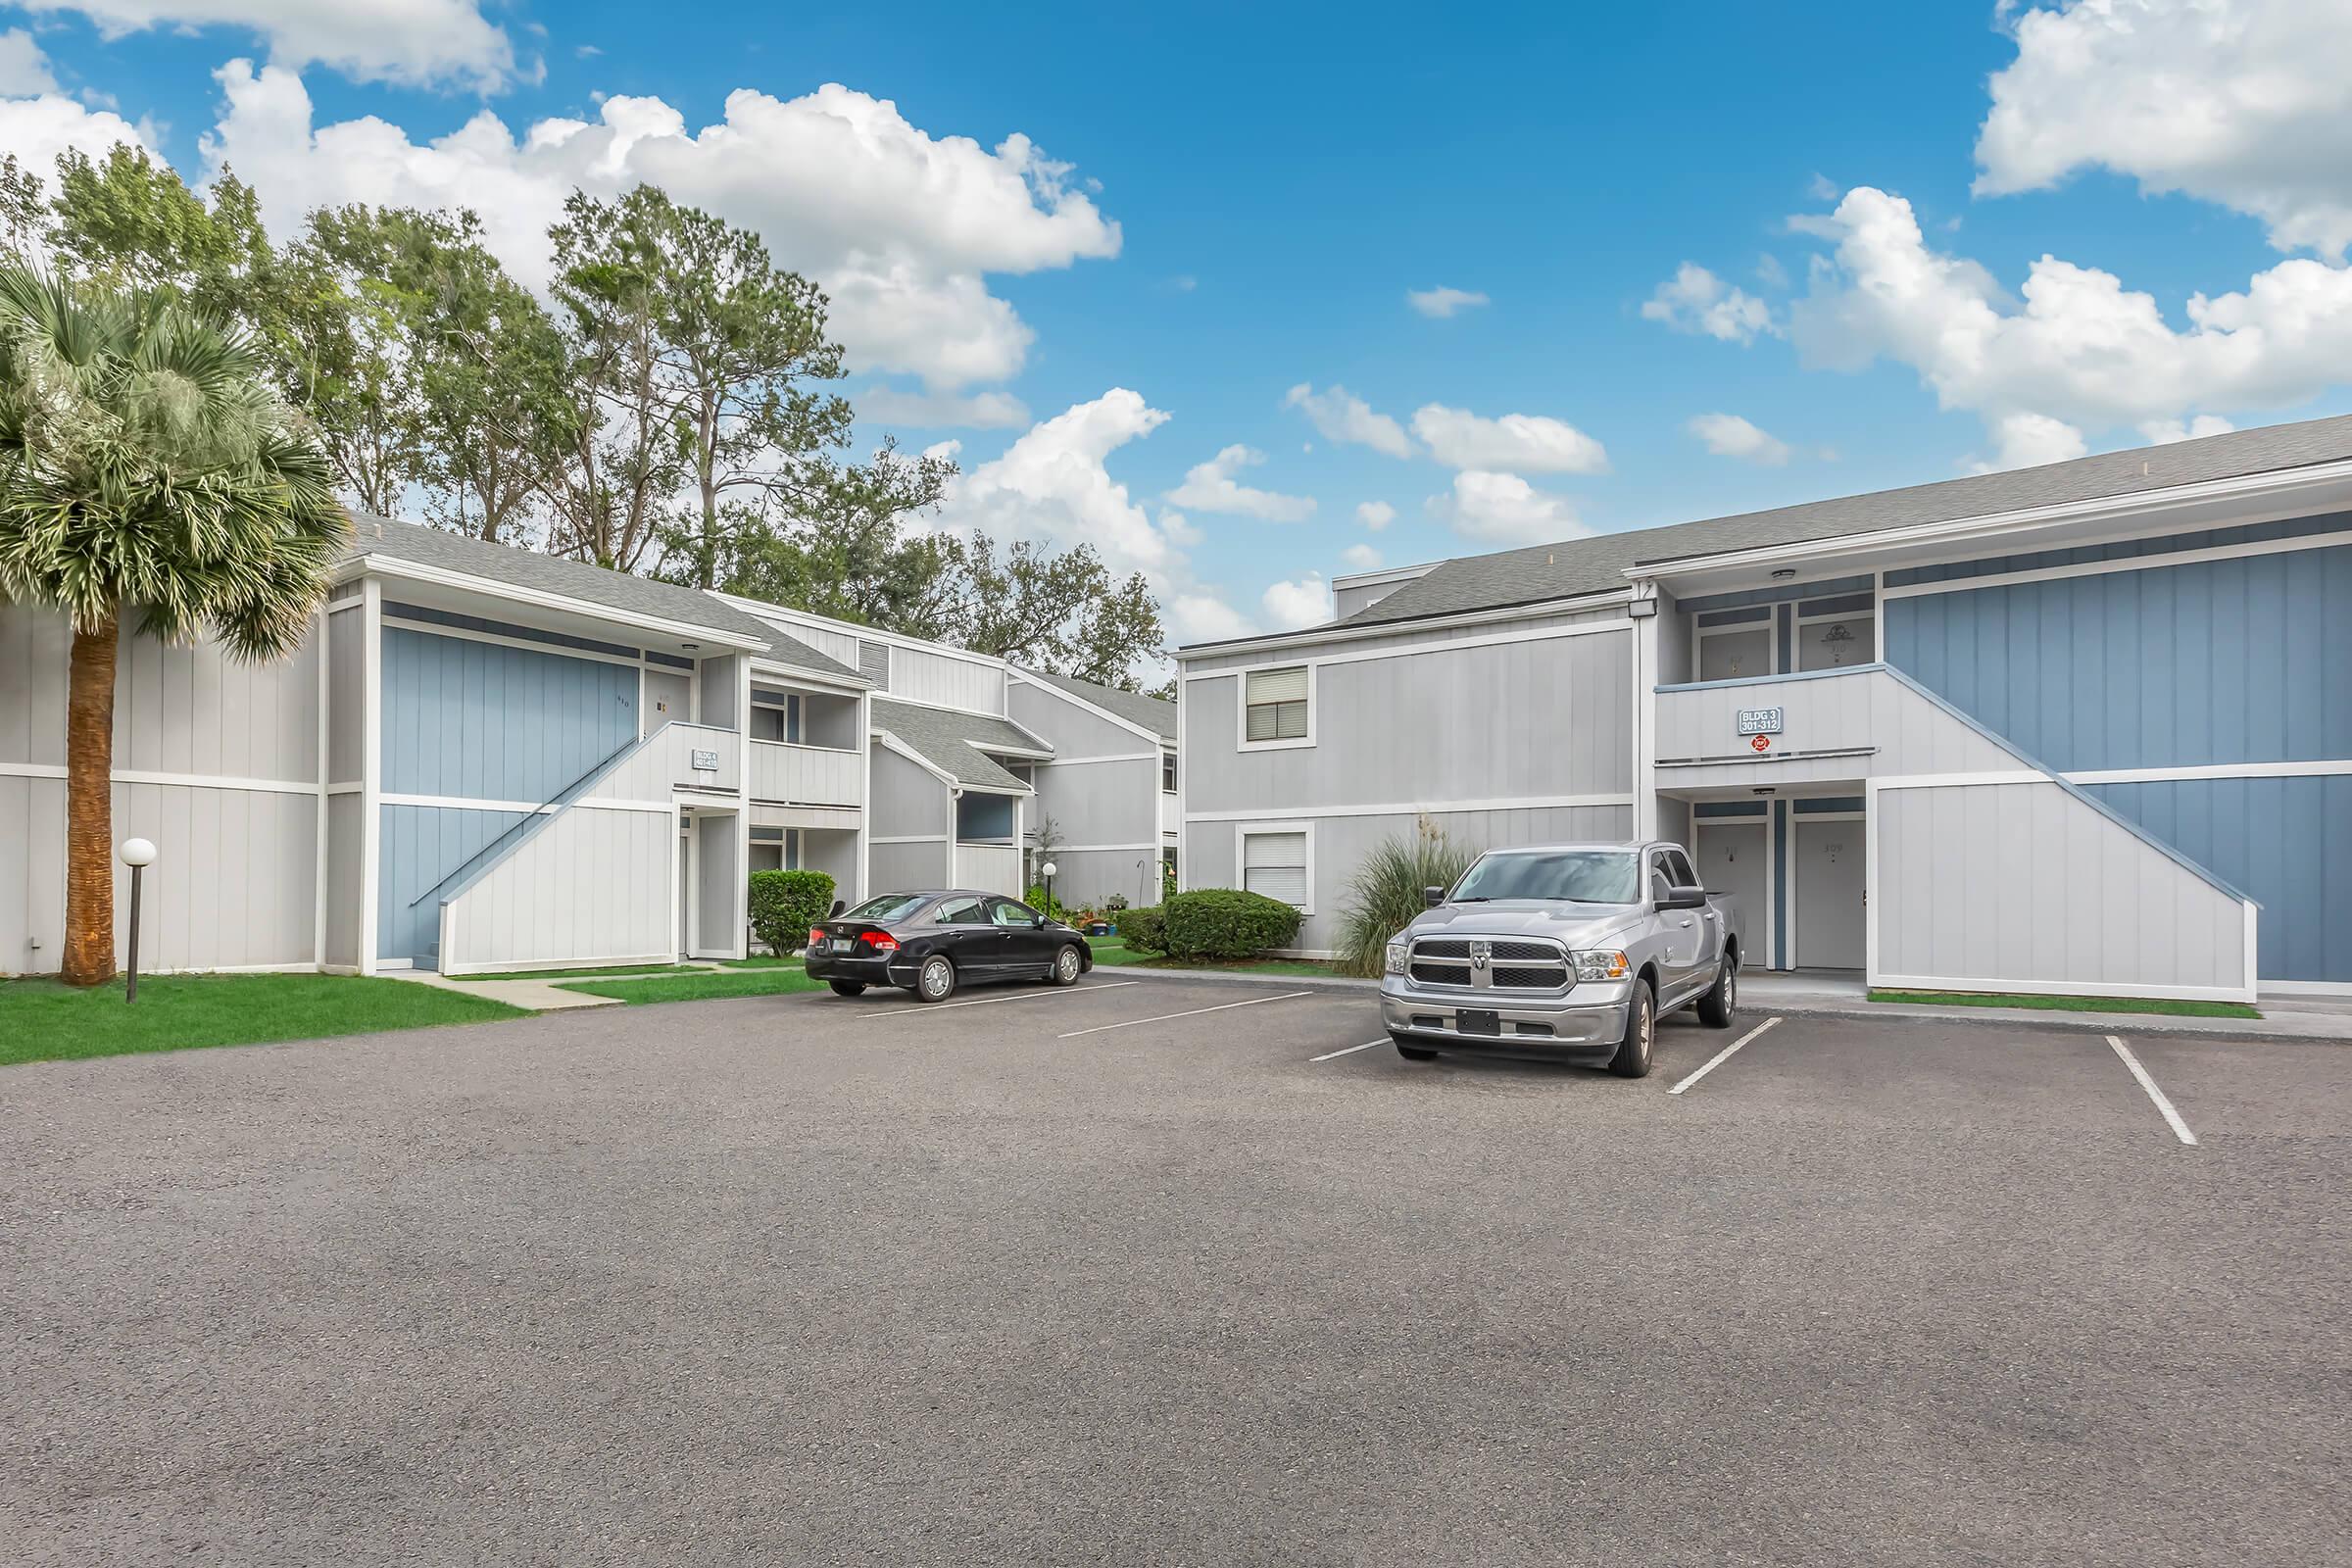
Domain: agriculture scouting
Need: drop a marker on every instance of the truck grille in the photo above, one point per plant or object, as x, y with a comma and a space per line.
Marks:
1516, 964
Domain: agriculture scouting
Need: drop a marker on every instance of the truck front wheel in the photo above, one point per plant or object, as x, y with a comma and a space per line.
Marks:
1640, 1030
1719, 1006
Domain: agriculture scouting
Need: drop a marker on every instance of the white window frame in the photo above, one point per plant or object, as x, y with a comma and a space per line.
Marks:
1797, 638
1169, 764
1243, 832
1770, 626
1240, 706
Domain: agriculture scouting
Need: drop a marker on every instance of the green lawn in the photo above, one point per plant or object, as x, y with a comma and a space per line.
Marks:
2156, 1004
42, 1020
1110, 952
585, 974
772, 979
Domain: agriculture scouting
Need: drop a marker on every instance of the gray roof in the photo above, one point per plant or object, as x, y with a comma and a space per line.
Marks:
786, 649
950, 740
1154, 713
415, 543
1599, 564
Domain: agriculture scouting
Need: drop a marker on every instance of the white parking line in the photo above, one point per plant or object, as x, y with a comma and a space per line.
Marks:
1349, 1051
983, 1002
1192, 1014
2171, 1116
1721, 1056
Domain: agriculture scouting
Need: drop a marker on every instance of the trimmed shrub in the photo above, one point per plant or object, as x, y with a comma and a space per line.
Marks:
1144, 930
1051, 909
1227, 923
1385, 894
785, 905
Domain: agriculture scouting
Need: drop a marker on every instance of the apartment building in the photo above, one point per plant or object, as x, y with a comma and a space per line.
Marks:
2085, 727
485, 758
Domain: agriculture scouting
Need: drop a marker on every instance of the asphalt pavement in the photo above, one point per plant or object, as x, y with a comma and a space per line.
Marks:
1156, 1272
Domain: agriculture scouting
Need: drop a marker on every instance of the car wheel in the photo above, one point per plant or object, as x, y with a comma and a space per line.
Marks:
1719, 1006
1412, 1053
935, 981
1640, 1031
1066, 967
848, 988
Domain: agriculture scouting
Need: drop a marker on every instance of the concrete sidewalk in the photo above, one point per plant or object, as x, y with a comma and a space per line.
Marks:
533, 995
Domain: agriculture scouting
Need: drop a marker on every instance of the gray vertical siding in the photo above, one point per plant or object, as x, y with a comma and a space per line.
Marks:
720, 680
907, 866
346, 696
492, 722
668, 699
1110, 803
2237, 660
197, 711
32, 874
2287, 841
722, 886
905, 800
591, 887
835, 855
345, 820
235, 882
33, 645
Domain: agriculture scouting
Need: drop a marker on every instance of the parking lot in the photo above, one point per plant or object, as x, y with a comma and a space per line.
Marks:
1159, 1271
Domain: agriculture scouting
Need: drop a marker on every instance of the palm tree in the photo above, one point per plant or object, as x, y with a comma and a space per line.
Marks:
147, 466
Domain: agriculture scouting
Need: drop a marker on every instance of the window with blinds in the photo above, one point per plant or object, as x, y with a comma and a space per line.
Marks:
1274, 867
1275, 707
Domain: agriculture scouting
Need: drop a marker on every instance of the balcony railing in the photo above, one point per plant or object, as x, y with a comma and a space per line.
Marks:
806, 776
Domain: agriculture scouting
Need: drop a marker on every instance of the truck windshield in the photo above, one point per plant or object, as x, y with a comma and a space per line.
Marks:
1578, 876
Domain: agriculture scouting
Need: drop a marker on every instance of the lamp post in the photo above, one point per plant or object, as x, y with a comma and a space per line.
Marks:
138, 854
1047, 870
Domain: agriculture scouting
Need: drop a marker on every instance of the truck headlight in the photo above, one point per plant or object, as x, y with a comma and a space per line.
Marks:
1600, 966
1395, 963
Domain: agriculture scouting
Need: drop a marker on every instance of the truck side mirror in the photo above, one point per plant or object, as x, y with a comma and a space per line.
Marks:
1432, 897
1684, 899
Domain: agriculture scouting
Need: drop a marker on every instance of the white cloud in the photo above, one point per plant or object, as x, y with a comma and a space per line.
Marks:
2164, 432
1728, 436
2080, 350
2241, 102
1695, 300
1203, 617
1341, 415
1211, 487
1375, 514
1769, 271
1504, 509
1289, 606
1364, 558
940, 411
414, 42
1179, 528
37, 130
1053, 483
2026, 440
898, 227
1460, 439
24, 69
1440, 304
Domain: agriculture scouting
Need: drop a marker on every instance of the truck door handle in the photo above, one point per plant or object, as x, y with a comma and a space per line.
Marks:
1686, 919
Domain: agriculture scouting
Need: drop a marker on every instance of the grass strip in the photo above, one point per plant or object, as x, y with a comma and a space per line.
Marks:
2152, 1004
44, 1020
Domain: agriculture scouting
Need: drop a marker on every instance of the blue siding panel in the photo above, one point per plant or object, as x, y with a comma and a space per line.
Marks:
2287, 841
421, 845
491, 722
2237, 660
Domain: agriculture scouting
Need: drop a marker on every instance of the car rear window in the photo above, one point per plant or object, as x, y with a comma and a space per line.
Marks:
887, 907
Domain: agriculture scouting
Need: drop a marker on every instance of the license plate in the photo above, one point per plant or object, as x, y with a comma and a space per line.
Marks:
1478, 1023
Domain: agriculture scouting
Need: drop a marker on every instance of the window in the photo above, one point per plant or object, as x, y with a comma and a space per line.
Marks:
1830, 644
1677, 870
1167, 773
1274, 865
1575, 876
961, 911
1004, 911
1274, 708
885, 908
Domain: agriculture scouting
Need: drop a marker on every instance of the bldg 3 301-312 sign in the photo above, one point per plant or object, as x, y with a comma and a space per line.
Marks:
1759, 720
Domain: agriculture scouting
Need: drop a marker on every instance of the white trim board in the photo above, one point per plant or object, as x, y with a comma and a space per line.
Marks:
1593, 628
906, 838
463, 803
2102, 569
382, 565
2161, 775
1348, 631
1518, 803
200, 781
1123, 757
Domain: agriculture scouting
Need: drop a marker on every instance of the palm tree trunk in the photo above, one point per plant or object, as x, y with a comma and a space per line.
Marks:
89, 806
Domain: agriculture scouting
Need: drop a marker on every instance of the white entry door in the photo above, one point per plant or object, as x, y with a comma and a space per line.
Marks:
1830, 884
1728, 855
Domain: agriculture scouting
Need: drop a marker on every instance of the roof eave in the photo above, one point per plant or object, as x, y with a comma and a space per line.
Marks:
365, 563
1353, 631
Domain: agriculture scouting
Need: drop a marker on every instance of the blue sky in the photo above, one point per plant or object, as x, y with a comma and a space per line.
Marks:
1252, 192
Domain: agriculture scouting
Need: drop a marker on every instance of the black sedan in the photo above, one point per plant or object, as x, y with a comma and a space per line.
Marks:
931, 943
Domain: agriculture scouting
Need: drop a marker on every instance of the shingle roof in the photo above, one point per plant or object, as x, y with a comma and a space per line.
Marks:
1154, 713
786, 649
1599, 564
415, 543
948, 741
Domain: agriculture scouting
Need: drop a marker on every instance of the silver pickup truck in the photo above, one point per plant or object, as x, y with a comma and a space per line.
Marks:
1571, 952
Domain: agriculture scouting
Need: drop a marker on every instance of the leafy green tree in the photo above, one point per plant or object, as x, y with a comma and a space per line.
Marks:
130, 224
1061, 612
146, 464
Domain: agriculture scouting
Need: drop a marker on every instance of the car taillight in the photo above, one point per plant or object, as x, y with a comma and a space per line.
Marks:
882, 942
816, 936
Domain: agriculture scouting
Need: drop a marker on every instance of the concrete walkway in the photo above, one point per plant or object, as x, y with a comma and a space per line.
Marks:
533, 995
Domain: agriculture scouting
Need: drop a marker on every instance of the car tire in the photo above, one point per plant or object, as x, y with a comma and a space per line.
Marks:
1412, 1053
935, 980
1068, 965
1640, 1034
848, 988
1720, 1006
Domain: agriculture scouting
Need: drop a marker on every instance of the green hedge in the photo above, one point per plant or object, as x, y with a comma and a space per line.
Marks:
1144, 930
1225, 923
785, 905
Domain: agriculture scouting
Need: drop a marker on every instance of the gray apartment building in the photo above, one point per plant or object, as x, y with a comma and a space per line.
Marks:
2085, 727
486, 758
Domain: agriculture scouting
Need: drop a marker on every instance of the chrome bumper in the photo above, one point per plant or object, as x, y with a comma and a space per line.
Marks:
1586, 1016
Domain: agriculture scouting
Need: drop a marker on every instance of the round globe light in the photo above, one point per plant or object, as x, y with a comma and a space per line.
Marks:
1048, 868
137, 851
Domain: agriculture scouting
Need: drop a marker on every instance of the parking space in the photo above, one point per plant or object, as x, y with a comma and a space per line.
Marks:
1160, 1270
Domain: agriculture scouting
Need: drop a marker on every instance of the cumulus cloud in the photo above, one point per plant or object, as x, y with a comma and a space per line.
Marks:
1460, 439
940, 411
898, 227
2026, 440
37, 130
2080, 351
1362, 557
1203, 617
1375, 514
1728, 436
1695, 300
1211, 487
2241, 102
1289, 606
412, 42
1440, 304
2164, 432
1053, 484
1504, 509
24, 69
1341, 415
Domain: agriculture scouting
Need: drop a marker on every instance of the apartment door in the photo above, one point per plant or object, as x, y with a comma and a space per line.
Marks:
1828, 858
1731, 857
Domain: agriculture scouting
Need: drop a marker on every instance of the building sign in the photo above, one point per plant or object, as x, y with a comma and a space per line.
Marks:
1759, 721
705, 761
